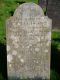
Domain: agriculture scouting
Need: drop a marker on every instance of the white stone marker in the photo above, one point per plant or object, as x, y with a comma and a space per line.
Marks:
28, 34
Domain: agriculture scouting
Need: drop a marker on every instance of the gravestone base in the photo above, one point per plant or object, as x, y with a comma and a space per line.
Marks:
14, 78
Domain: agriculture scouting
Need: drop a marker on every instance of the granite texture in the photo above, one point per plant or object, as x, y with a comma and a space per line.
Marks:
28, 34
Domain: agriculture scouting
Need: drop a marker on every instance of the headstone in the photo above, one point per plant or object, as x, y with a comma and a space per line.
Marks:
54, 12
42, 3
28, 34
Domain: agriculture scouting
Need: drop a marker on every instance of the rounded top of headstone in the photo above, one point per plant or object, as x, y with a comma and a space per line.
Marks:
28, 10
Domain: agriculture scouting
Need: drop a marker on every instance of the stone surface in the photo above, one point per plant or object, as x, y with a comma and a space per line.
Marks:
28, 34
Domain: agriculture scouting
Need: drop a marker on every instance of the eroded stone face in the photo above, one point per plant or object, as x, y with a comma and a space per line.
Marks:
28, 35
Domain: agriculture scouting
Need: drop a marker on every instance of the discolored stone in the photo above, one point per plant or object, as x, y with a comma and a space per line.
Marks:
28, 34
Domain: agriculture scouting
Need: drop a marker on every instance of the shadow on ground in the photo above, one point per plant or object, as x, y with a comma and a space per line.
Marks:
55, 56
20, 2
3, 60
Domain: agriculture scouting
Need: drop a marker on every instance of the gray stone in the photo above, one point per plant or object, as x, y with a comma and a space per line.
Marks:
28, 34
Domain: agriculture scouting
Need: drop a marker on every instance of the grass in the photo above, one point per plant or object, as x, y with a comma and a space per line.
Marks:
5, 9
56, 39
54, 75
35, 1
1, 77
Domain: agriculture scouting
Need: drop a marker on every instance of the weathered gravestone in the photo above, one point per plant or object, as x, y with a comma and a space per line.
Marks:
28, 43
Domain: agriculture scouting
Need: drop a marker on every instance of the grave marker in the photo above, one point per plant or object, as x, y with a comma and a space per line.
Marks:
28, 34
